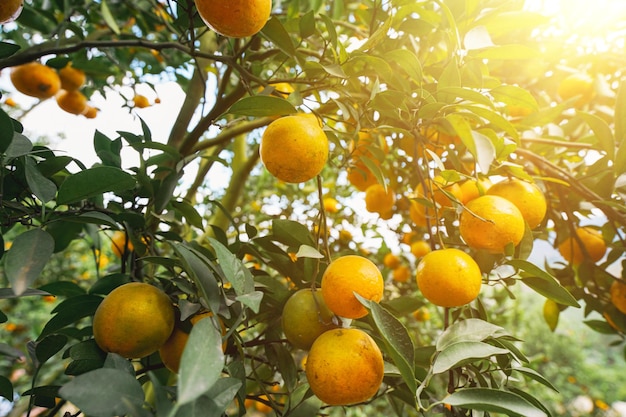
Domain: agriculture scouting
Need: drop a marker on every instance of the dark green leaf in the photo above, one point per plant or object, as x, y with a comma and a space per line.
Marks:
493, 400
214, 402
8, 49
63, 288
291, 233
543, 283
189, 212
42, 187
461, 353
195, 264
70, 311
20, 145
307, 24
202, 361
276, 33
260, 106
6, 388
532, 374
104, 393
94, 182
49, 346
27, 257
6, 131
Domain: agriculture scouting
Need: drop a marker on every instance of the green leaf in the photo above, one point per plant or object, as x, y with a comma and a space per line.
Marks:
202, 361
70, 311
94, 182
104, 393
544, 283
6, 388
505, 52
485, 151
6, 131
108, 17
260, 106
275, 32
291, 233
8, 293
20, 145
536, 376
306, 251
42, 187
307, 24
396, 338
27, 257
93, 217
468, 330
8, 49
48, 347
461, 353
512, 95
408, 61
214, 402
465, 94
189, 212
602, 131
493, 400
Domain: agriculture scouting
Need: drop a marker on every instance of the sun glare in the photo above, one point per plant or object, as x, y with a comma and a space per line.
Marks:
591, 24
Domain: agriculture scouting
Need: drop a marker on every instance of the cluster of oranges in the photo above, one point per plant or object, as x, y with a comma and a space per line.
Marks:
41, 81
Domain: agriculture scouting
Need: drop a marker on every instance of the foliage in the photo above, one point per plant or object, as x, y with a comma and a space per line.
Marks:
473, 72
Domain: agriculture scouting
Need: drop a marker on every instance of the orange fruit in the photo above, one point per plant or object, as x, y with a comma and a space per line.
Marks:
449, 277
294, 148
420, 248
36, 80
527, 197
391, 261
364, 144
10, 10
577, 85
491, 222
305, 317
71, 78
419, 214
262, 407
73, 102
592, 241
141, 102
330, 205
360, 176
472, 189
344, 366
120, 243
345, 276
134, 320
172, 350
379, 200
401, 274
280, 89
422, 314
235, 18
90, 112
618, 295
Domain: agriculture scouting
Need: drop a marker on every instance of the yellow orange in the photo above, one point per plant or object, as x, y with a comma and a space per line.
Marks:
73, 101
579, 85
361, 177
72, 78
618, 295
527, 197
294, 148
134, 320
35, 80
448, 277
347, 275
120, 243
379, 199
591, 240
491, 222
471, 189
401, 274
235, 18
391, 261
420, 248
305, 317
344, 366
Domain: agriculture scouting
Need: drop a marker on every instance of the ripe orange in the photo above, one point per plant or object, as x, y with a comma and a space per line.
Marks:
120, 243
73, 102
35, 80
527, 197
330, 205
471, 189
294, 148
391, 261
449, 277
235, 18
360, 176
592, 241
345, 276
618, 295
420, 248
401, 274
491, 222
344, 366
90, 112
172, 350
422, 314
141, 102
379, 200
366, 141
305, 317
577, 85
10, 10
72, 78
419, 213
134, 320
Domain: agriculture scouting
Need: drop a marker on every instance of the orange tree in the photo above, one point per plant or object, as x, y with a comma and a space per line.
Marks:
421, 97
